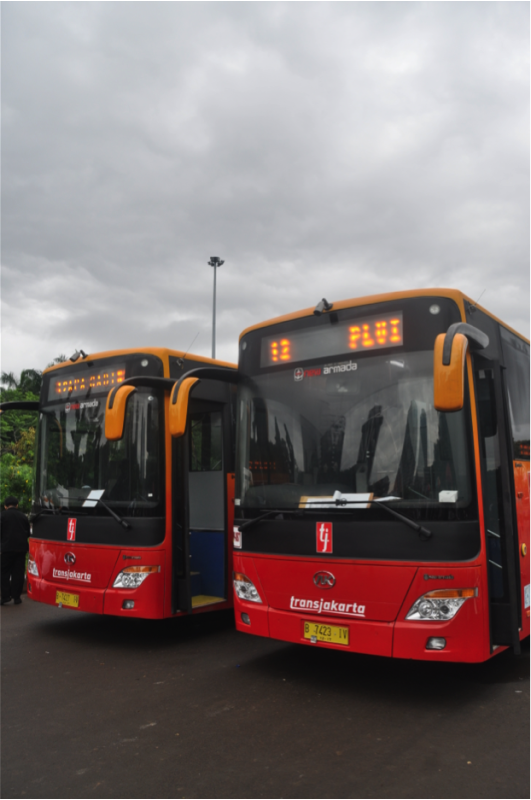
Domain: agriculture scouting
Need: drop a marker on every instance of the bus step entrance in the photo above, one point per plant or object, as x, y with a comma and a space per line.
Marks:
198, 597
205, 600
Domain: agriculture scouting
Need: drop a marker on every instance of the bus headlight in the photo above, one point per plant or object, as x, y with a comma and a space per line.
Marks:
32, 567
440, 605
133, 577
245, 589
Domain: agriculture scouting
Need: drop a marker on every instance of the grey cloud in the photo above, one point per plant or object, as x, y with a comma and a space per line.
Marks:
335, 149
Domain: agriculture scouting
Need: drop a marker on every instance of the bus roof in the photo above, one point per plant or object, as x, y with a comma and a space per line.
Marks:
454, 294
162, 352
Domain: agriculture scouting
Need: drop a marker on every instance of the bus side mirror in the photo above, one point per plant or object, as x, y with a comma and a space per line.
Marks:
449, 359
449, 379
115, 412
179, 406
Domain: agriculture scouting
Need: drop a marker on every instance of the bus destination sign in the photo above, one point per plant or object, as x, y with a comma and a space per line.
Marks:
78, 384
357, 335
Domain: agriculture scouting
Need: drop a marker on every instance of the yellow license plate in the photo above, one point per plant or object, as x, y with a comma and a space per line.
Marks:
67, 599
316, 632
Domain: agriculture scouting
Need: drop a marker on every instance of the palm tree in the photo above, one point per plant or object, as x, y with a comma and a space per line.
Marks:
30, 381
8, 380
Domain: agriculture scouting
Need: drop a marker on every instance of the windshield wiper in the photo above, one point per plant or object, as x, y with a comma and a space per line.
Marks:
46, 510
424, 533
95, 500
255, 520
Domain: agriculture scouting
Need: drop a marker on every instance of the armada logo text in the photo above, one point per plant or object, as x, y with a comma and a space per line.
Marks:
72, 575
345, 366
76, 406
328, 607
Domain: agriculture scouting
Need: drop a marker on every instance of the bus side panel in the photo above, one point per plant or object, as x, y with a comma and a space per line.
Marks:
521, 485
231, 479
170, 499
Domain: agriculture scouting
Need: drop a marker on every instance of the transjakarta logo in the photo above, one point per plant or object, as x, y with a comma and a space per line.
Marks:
345, 366
71, 530
72, 575
327, 607
323, 531
88, 404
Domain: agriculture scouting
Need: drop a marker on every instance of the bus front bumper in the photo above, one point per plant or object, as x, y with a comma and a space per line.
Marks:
78, 598
145, 602
463, 641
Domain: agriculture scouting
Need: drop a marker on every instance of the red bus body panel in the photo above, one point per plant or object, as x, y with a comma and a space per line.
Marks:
385, 592
521, 485
92, 575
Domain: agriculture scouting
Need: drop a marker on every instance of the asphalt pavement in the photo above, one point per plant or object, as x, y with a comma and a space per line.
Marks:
101, 707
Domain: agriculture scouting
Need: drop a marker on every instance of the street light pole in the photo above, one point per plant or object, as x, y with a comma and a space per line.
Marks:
214, 262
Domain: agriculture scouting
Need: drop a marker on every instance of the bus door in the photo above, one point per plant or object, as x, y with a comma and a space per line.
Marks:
498, 504
199, 537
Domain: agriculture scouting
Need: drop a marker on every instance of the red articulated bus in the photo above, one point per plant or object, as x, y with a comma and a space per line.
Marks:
382, 478
133, 523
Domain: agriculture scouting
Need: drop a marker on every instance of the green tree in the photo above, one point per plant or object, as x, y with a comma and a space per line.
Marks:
17, 434
14, 423
16, 479
30, 381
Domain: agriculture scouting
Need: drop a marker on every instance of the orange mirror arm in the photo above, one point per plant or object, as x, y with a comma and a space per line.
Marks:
449, 379
179, 406
449, 358
115, 412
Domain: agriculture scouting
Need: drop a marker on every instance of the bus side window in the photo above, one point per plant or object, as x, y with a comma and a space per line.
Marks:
206, 442
486, 411
516, 358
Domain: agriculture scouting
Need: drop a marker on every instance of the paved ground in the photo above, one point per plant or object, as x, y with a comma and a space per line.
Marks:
100, 707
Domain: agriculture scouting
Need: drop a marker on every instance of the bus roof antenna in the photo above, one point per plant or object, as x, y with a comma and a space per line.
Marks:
180, 361
472, 307
323, 306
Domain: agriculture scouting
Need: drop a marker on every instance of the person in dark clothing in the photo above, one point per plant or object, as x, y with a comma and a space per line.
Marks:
15, 531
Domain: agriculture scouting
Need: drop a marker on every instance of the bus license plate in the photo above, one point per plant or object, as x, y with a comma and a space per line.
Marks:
325, 633
67, 599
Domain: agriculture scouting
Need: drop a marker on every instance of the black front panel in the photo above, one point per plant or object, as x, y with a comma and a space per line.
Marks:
418, 331
100, 530
354, 424
96, 377
386, 541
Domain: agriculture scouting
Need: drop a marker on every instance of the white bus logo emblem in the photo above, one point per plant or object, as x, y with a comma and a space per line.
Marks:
324, 537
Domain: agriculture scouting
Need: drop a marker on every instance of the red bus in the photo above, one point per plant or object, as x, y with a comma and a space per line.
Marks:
382, 478
136, 524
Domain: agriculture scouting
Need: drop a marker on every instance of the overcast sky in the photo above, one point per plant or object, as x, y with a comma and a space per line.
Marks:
321, 149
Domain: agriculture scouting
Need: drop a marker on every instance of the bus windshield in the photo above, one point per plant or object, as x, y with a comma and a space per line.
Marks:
74, 457
363, 426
